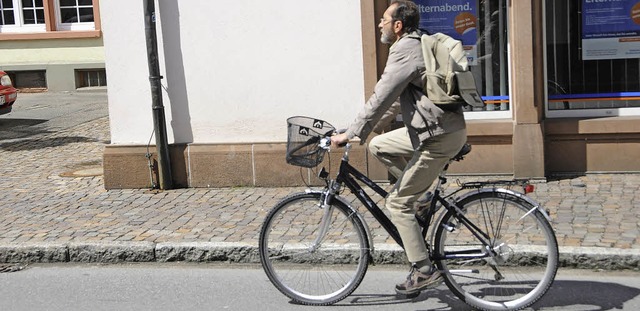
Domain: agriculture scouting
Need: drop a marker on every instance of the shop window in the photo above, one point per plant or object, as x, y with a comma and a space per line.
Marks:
593, 58
482, 28
90, 78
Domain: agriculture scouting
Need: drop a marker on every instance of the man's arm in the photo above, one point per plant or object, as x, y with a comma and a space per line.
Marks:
388, 118
399, 72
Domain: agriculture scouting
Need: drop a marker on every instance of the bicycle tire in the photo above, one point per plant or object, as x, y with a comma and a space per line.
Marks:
313, 275
526, 252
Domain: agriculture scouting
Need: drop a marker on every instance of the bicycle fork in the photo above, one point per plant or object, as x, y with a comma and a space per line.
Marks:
327, 200
325, 222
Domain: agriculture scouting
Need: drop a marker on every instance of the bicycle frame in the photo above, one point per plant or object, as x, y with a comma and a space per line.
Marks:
349, 175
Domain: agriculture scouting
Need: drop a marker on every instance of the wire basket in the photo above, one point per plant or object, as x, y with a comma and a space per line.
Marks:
303, 138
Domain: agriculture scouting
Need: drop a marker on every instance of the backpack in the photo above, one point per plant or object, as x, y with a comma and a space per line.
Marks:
449, 80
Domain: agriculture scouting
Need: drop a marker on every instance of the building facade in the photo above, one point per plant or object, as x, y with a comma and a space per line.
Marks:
52, 45
560, 84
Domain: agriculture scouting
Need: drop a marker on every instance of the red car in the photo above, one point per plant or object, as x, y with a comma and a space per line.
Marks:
8, 93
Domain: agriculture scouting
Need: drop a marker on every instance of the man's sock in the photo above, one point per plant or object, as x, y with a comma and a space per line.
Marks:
424, 266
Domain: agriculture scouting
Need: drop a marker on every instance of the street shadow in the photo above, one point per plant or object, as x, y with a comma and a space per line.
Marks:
8, 123
598, 295
562, 294
442, 298
18, 128
45, 142
567, 176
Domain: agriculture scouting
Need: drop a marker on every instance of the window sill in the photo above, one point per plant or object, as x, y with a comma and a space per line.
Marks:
51, 35
496, 127
606, 125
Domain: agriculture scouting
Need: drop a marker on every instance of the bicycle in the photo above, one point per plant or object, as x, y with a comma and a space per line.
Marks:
494, 246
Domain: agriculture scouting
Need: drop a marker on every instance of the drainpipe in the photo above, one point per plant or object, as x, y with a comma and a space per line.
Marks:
159, 124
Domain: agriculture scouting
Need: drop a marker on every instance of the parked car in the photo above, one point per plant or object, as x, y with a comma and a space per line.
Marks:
8, 94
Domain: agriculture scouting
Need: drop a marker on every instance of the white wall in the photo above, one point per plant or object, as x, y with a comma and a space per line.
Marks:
235, 71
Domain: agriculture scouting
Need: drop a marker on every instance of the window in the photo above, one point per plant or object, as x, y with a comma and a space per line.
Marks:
492, 68
22, 16
8, 16
587, 79
33, 12
29, 79
482, 28
90, 77
75, 14
38, 16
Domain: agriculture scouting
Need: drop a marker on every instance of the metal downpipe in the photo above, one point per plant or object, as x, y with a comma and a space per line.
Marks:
159, 122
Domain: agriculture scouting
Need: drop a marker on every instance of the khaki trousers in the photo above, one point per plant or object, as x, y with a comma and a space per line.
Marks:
415, 170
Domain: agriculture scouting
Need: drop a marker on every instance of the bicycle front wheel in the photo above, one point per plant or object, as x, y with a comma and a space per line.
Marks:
315, 255
515, 269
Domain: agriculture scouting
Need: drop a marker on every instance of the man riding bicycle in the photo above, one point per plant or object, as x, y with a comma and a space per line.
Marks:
431, 136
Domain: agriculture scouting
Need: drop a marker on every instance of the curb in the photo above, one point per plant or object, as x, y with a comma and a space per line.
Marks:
123, 252
120, 252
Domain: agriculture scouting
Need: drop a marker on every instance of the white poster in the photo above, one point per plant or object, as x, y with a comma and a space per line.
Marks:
610, 29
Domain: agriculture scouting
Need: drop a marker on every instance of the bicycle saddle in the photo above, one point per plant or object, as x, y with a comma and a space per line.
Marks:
464, 151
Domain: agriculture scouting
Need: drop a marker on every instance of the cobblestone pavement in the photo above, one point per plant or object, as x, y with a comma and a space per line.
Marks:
50, 197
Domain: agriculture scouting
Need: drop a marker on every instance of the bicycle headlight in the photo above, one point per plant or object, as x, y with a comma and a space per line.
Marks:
5, 80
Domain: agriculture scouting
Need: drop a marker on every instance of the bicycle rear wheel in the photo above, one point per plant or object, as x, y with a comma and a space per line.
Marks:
314, 255
524, 258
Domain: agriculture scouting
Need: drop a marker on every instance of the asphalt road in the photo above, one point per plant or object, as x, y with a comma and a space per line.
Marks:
244, 287
38, 113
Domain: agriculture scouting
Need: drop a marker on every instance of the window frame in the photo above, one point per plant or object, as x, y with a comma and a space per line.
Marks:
52, 31
576, 113
20, 26
72, 26
497, 114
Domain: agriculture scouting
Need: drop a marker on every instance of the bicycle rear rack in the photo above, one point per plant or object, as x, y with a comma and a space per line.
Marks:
524, 183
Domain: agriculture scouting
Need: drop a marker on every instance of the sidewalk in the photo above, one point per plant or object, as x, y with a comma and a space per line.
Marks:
55, 209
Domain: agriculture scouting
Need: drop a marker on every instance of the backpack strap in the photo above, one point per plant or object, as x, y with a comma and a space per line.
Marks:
467, 89
428, 53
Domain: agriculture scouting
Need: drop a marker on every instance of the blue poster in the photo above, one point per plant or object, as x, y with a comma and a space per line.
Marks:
610, 29
456, 18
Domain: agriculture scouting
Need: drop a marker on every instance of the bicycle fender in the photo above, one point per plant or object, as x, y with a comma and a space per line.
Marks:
354, 212
529, 200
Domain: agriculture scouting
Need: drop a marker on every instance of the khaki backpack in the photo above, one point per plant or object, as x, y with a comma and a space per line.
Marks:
449, 80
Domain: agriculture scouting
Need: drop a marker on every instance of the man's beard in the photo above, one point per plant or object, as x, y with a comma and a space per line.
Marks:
386, 39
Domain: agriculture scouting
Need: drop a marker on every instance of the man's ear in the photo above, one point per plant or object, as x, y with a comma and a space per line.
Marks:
397, 27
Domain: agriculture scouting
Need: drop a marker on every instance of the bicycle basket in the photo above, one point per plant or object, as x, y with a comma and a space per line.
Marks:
303, 140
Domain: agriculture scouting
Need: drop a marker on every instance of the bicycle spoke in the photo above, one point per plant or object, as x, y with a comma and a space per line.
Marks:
521, 258
313, 255
501, 218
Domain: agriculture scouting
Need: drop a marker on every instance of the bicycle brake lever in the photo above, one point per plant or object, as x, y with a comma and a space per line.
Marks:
325, 143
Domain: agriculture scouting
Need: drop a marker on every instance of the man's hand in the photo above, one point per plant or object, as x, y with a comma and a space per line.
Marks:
339, 139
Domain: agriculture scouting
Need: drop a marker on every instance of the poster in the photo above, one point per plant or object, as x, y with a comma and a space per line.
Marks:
610, 29
456, 18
